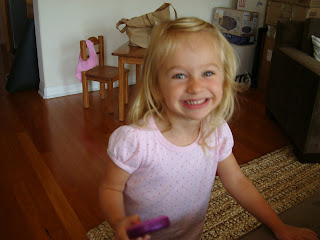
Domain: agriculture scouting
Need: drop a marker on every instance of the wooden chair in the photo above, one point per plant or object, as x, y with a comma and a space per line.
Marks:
101, 73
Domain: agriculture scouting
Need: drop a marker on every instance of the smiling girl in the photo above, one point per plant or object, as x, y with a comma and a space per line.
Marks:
165, 160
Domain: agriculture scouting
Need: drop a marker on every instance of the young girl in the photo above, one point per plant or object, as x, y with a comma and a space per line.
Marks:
164, 161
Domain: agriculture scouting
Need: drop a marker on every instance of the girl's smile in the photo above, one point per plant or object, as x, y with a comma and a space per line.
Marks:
193, 104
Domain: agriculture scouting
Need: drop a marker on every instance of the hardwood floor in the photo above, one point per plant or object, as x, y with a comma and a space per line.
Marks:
53, 154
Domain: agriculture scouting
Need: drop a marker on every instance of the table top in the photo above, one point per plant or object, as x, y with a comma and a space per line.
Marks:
129, 51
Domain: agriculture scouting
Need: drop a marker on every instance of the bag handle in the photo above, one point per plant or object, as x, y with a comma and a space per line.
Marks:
165, 5
149, 15
122, 21
175, 12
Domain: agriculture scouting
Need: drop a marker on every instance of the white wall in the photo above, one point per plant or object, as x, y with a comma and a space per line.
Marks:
60, 25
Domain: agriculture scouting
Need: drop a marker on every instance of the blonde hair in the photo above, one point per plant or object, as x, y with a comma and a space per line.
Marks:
164, 40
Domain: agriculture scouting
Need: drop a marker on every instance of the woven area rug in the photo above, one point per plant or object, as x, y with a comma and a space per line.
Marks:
281, 179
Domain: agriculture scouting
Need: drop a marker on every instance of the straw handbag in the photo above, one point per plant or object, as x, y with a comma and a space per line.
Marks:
139, 28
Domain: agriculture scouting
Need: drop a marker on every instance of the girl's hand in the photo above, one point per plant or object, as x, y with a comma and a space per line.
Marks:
122, 226
295, 233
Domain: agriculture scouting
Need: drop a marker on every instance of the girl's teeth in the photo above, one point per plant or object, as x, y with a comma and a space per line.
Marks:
196, 102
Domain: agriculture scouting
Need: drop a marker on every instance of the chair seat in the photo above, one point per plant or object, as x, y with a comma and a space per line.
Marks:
104, 73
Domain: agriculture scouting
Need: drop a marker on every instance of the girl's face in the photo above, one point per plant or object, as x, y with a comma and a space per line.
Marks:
191, 79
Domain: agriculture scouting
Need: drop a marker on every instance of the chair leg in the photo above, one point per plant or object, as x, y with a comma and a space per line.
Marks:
102, 90
85, 91
110, 96
126, 95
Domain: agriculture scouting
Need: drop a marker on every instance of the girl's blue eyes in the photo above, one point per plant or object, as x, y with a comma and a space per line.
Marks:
179, 76
207, 74
182, 76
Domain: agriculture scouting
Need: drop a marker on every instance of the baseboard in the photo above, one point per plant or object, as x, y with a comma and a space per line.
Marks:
65, 90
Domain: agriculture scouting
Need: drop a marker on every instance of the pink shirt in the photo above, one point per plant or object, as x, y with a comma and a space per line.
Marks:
167, 179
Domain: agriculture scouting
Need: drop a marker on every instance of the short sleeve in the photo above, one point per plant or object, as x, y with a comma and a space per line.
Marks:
123, 148
226, 141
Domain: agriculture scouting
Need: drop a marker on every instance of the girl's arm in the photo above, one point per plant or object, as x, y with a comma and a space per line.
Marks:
111, 200
244, 192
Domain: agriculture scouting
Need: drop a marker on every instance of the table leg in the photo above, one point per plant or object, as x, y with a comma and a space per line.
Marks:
125, 88
121, 88
137, 73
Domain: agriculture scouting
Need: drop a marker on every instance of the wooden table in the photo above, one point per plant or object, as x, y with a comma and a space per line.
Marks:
132, 55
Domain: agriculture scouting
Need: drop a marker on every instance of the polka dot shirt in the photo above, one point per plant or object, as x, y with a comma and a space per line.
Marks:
166, 179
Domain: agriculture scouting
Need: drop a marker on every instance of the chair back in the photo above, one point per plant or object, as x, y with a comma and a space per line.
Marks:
100, 52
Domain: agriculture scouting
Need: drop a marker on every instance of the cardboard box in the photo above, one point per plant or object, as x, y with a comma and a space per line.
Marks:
259, 6
285, 11
265, 64
238, 26
304, 3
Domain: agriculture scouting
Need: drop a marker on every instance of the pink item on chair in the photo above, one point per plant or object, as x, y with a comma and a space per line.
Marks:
91, 62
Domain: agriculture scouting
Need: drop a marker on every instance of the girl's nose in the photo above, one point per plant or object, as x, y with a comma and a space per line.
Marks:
195, 85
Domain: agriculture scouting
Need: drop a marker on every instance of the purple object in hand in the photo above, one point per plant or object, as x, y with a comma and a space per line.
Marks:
149, 226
